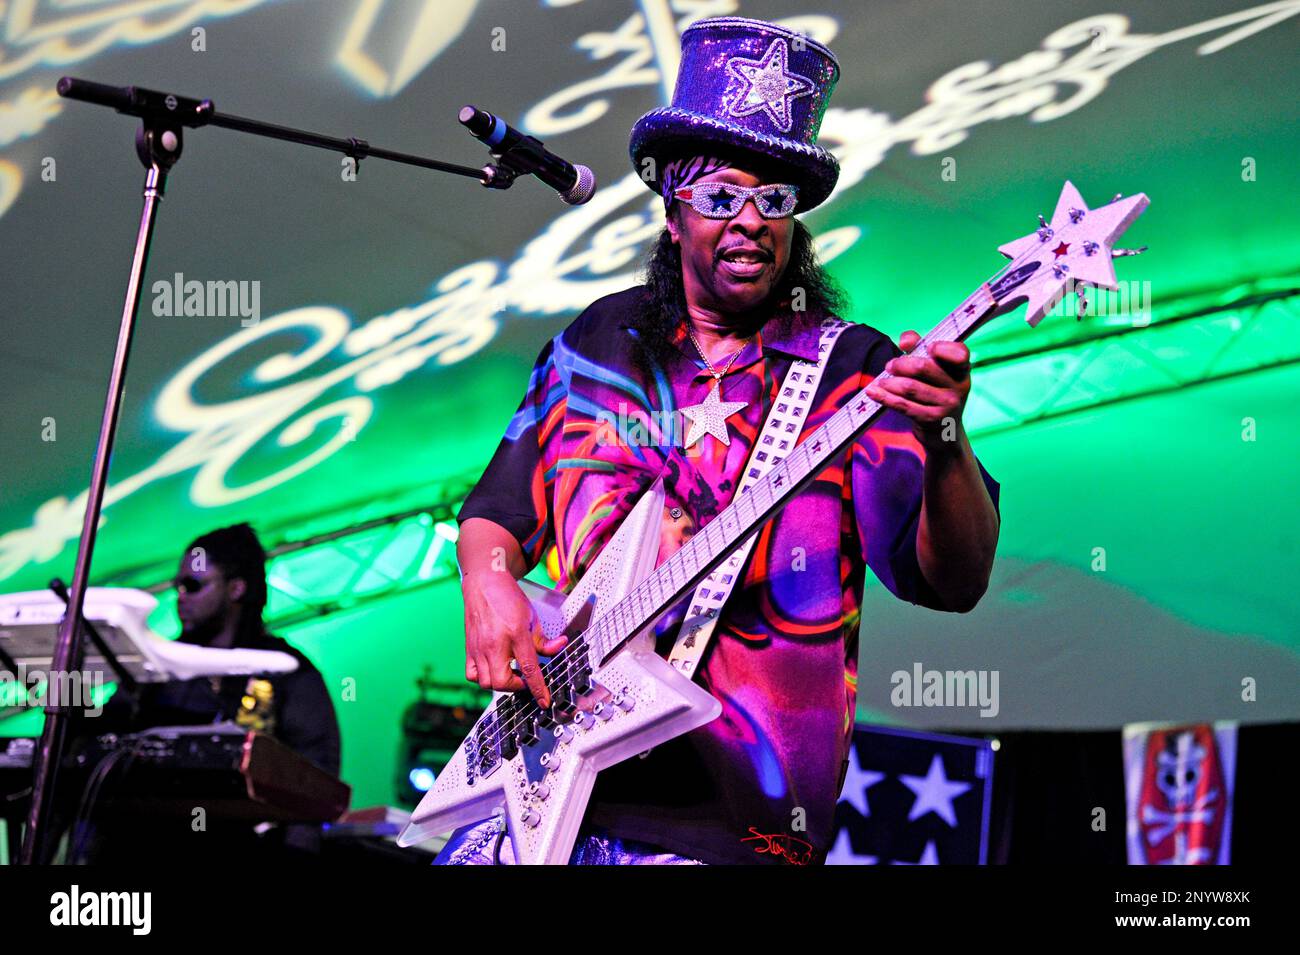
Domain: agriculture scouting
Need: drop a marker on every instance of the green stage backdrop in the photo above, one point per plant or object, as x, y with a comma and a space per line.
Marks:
1147, 455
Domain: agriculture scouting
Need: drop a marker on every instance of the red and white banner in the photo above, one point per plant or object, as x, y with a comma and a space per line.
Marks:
1178, 783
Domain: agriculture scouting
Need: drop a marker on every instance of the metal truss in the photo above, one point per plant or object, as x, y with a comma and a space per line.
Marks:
1193, 341
347, 568
331, 563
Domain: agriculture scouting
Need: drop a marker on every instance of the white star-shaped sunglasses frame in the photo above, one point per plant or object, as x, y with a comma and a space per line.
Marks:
723, 200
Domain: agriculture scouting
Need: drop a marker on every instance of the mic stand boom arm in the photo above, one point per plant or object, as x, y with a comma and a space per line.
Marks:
187, 111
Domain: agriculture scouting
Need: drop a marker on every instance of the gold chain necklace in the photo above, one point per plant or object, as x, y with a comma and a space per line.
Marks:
717, 375
710, 417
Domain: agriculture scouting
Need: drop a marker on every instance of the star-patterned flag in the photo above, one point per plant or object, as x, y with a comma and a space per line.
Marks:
912, 798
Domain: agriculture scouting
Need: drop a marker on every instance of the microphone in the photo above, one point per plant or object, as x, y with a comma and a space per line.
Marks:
575, 183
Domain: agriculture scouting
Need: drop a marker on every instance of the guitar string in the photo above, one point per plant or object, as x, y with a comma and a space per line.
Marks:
562, 663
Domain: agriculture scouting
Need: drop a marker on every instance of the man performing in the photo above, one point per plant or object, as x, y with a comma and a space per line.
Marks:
675, 379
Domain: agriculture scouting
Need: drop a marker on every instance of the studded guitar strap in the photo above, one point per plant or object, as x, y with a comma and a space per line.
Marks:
777, 439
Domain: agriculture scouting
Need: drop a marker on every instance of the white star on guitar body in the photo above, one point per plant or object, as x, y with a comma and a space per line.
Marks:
710, 417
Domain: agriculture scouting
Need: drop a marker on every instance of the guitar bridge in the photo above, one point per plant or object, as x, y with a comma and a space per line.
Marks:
483, 748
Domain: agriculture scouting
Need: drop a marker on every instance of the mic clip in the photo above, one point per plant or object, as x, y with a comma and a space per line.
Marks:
519, 160
358, 149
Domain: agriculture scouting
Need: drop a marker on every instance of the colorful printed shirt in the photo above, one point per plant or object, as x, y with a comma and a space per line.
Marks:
591, 434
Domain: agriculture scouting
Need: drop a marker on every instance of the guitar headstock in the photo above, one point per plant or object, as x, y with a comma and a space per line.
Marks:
1074, 249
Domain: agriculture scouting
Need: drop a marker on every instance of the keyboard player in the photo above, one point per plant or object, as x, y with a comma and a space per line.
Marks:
221, 596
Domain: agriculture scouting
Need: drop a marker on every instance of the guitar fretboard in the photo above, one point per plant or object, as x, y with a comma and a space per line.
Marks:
745, 515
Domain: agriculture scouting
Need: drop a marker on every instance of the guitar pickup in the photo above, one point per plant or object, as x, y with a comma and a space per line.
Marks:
527, 733
582, 681
563, 705
506, 715
509, 746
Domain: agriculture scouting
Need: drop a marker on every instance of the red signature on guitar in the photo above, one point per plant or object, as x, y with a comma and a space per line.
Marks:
795, 850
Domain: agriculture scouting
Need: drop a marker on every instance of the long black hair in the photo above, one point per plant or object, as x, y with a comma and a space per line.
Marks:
664, 303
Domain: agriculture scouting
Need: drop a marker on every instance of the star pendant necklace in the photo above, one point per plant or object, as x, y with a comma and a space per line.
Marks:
710, 416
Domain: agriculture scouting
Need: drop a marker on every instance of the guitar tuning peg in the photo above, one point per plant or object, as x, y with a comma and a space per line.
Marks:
1120, 253
1042, 223
1118, 197
1081, 308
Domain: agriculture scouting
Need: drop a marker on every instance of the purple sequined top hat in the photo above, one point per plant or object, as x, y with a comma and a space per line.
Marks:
749, 87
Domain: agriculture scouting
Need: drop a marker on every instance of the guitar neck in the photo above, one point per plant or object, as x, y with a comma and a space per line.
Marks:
682, 572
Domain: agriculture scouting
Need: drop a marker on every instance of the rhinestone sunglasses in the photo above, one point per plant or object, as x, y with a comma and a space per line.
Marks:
723, 200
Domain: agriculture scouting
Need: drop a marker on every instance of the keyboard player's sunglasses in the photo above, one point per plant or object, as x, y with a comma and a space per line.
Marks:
723, 200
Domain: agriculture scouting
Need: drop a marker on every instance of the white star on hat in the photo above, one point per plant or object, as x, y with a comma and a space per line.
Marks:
769, 87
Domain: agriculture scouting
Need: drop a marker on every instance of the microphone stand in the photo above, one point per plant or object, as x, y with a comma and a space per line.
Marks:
158, 145
125, 681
